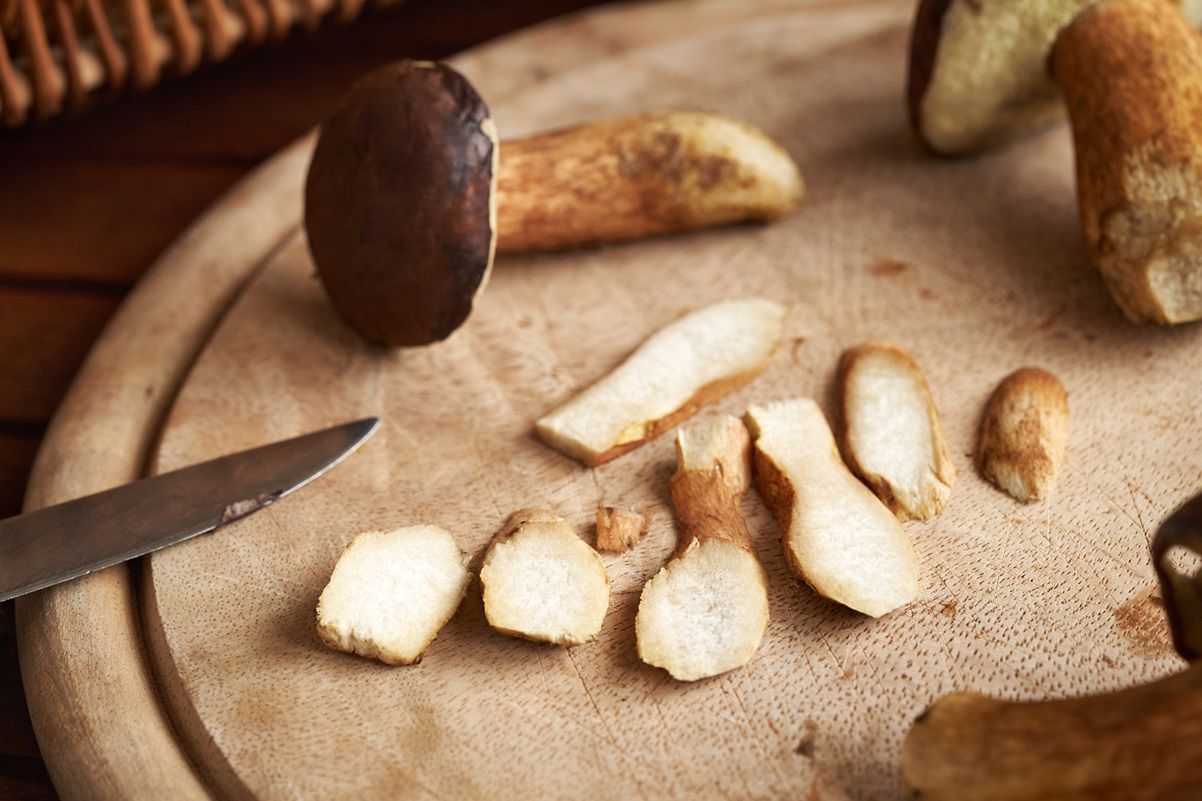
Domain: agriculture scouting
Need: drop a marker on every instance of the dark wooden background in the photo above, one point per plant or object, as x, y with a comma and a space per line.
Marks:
86, 204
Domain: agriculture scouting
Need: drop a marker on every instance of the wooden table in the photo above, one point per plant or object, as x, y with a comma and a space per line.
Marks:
86, 205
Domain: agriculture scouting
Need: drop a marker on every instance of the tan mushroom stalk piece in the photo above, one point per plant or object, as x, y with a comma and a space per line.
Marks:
705, 612
677, 370
1135, 743
839, 538
891, 434
1130, 72
410, 193
1024, 434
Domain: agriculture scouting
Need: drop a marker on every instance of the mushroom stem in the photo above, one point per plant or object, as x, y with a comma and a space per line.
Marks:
1145, 742
1131, 75
639, 176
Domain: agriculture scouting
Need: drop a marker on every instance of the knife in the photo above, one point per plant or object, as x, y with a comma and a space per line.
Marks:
68, 540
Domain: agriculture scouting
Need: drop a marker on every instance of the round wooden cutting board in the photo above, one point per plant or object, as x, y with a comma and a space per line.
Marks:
976, 266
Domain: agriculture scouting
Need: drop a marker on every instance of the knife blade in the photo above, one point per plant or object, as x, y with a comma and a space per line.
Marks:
71, 539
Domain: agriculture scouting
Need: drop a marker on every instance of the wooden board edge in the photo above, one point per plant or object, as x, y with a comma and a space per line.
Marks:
80, 643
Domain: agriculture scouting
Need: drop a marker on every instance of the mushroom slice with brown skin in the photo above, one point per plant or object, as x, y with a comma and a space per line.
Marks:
681, 367
892, 438
1138, 743
405, 200
706, 610
839, 538
542, 582
1024, 434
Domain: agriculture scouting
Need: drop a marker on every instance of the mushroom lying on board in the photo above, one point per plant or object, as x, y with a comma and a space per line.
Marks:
1139, 743
408, 194
1130, 72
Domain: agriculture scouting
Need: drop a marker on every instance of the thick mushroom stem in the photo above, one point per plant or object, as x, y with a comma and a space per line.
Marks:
1144, 742
639, 176
1131, 75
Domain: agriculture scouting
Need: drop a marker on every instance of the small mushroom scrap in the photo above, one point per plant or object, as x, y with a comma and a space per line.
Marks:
1130, 72
408, 197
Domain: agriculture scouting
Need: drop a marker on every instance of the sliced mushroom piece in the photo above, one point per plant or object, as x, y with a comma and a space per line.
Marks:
891, 433
542, 582
705, 612
839, 538
391, 592
676, 371
1024, 434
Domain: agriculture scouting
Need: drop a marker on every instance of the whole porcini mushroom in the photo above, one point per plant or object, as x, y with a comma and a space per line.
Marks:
1130, 73
1135, 743
408, 196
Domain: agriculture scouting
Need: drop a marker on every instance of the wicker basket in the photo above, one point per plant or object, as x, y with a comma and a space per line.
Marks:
59, 55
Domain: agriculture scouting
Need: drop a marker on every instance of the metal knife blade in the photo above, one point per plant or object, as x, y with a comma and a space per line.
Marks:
71, 539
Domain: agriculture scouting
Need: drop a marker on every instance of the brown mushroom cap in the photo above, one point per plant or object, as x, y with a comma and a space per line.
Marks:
400, 203
978, 70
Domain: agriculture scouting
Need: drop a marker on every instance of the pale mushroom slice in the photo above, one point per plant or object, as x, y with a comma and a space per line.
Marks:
891, 435
681, 367
542, 582
706, 610
391, 592
838, 536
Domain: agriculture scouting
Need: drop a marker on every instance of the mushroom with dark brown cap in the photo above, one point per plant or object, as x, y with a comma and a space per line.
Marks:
1130, 71
405, 201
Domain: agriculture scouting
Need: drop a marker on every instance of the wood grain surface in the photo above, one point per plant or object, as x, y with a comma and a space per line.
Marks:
976, 266
86, 204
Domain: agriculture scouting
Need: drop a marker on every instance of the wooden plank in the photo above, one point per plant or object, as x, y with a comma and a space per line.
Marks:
22, 774
96, 220
44, 336
18, 446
